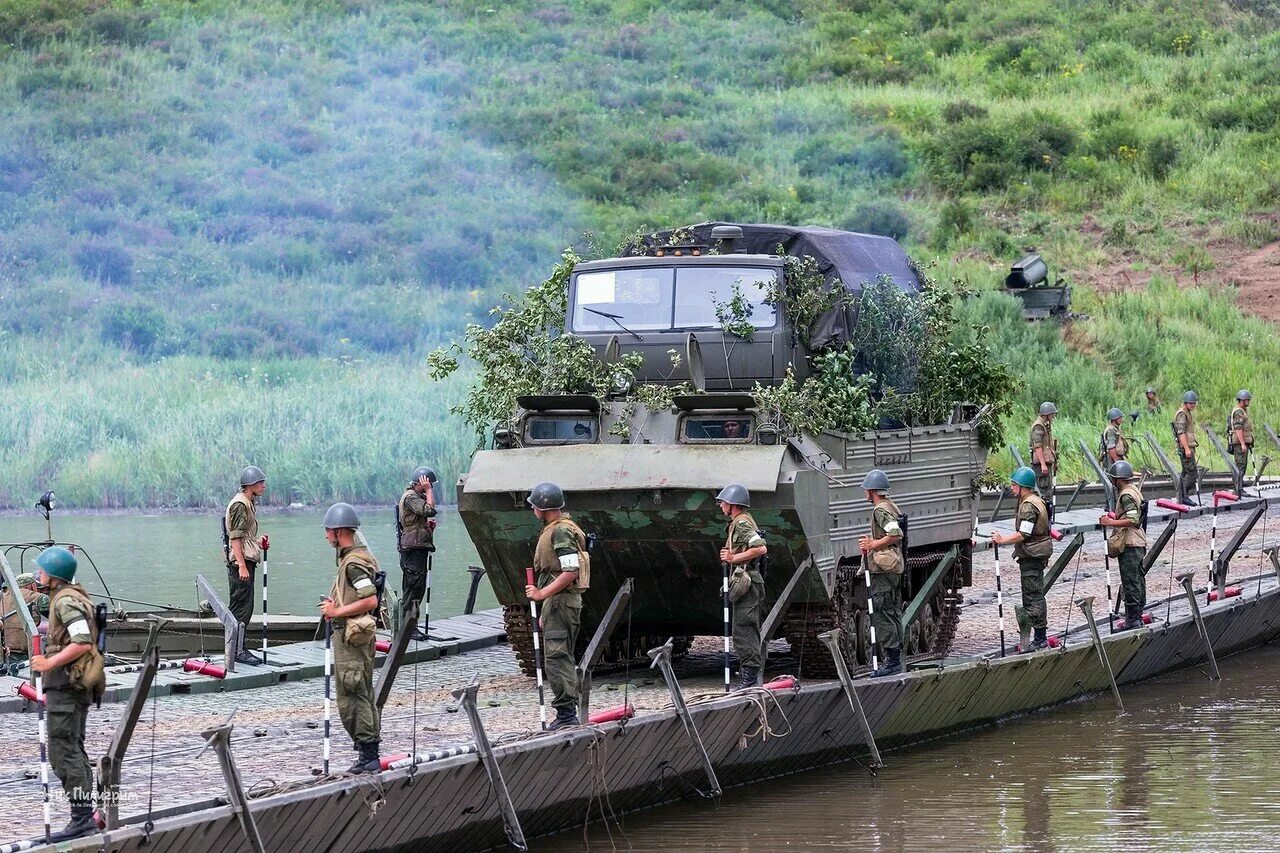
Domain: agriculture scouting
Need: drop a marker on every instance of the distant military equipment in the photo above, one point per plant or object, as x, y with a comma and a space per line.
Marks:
1028, 281
649, 497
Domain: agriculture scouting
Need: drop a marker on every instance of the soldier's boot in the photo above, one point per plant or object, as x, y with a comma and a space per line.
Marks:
369, 760
748, 676
1041, 640
892, 664
82, 823
243, 655
565, 717
1132, 618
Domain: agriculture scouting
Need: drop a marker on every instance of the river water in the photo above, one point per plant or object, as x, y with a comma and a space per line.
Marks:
1191, 765
155, 558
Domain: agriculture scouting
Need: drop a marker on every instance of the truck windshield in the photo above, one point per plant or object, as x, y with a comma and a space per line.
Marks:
659, 299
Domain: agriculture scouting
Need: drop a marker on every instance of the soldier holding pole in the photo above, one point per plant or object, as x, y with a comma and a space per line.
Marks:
1033, 546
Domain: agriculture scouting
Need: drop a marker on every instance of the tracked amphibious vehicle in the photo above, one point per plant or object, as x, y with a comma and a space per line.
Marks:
644, 481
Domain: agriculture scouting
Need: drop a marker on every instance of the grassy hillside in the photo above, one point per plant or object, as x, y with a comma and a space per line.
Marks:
196, 195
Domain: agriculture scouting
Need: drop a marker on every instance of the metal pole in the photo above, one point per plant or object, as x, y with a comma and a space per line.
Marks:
466, 697
109, 764
328, 683
426, 599
1213, 539
999, 597
1185, 580
871, 613
831, 639
1086, 606
43, 724
537, 652
265, 545
662, 660
728, 627
596, 646
219, 738
395, 655
477, 572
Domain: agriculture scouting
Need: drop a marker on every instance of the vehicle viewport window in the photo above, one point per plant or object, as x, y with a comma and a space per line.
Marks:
561, 430
699, 290
638, 299
717, 429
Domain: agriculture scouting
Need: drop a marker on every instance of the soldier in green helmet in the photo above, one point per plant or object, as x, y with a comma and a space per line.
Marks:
17, 648
73, 678
1153, 401
1113, 446
1184, 433
415, 536
563, 573
1240, 435
350, 605
242, 549
1127, 525
1044, 450
883, 549
1033, 546
744, 550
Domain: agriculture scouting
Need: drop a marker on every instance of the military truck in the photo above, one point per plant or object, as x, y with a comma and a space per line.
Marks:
647, 490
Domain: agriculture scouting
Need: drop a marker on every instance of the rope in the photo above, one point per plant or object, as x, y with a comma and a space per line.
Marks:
598, 784
1071, 603
151, 779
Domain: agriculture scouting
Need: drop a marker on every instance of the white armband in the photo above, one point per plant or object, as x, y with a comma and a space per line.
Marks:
892, 529
755, 541
569, 562
1026, 528
362, 583
79, 627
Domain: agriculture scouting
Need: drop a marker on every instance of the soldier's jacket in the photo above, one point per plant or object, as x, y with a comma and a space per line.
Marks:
415, 521
562, 546
1240, 421
356, 571
242, 523
71, 621
1042, 437
742, 534
884, 522
15, 639
1185, 423
1033, 524
1112, 437
1129, 506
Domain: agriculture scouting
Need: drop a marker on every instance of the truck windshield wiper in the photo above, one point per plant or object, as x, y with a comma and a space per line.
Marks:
616, 318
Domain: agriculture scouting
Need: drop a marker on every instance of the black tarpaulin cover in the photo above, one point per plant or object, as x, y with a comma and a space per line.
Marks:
853, 259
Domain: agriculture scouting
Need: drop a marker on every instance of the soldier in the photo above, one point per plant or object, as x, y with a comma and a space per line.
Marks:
73, 677
1044, 450
1153, 402
744, 546
350, 605
1184, 433
415, 531
564, 572
1114, 446
17, 647
1240, 435
1128, 526
243, 550
886, 566
1033, 547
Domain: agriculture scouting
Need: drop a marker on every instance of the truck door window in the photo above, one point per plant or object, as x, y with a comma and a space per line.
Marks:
700, 289
639, 299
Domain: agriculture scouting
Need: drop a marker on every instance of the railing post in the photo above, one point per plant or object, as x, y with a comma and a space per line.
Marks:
831, 639
662, 660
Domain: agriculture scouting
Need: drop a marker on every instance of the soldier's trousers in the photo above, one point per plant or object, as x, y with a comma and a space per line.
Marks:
241, 601
1189, 473
413, 567
746, 624
1133, 581
67, 712
1242, 463
561, 616
886, 607
1044, 483
353, 671
1033, 605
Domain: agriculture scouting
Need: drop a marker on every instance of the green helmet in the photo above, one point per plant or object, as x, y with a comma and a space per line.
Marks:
1150, 389
341, 515
1047, 408
1114, 414
736, 494
1190, 397
1024, 477
25, 579
1244, 394
1120, 470
58, 563
876, 481
423, 471
251, 475
546, 496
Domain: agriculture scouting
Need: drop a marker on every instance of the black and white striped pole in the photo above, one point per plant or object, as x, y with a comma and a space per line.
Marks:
728, 626
999, 597
871, 612
426, 600
43, 724
328, 684
266, 544
537, 652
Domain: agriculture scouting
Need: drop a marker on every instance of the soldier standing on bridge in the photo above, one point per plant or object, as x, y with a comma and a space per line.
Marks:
242, 549
1033, 546
415, 532
17, 648
1127, 525
1240, 436
73, 677
882, 549
1114, 446
350, 605
564, 572
1184, 432
745, 549
1044, 450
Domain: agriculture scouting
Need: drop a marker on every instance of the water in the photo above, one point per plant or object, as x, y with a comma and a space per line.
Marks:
1191, 766
155, 558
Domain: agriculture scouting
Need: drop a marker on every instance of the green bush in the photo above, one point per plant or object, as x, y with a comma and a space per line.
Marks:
133, 326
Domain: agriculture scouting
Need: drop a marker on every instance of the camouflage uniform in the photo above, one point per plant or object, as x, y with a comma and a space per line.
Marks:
886, 567
561, 547
67, 703
242, 523
15, 638
1184, 422
1240, 421
353, 661
1133, 580
1112, 438
742, 534
1032, 554
416, 542
1042, 436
